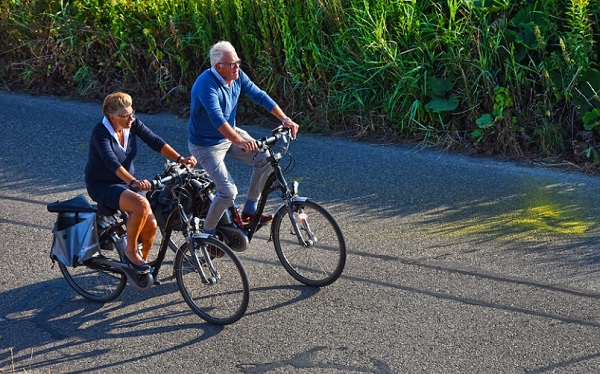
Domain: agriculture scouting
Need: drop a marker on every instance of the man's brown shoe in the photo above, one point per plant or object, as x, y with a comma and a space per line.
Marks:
214, 252
264, 218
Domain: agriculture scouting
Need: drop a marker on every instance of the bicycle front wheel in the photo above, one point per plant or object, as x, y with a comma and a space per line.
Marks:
219, 293
95, 281
320, 259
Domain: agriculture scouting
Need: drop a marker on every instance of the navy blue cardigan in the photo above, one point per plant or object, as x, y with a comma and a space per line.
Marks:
105, 155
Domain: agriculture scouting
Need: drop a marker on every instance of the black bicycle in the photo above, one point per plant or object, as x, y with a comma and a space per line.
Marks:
89, 242
308, 241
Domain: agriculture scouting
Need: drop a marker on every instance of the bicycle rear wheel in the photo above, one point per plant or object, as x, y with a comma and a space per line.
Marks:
95, 281
223, 297
321, 261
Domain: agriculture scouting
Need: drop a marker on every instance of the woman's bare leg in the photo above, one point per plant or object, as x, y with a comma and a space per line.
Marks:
147, 236
139, 210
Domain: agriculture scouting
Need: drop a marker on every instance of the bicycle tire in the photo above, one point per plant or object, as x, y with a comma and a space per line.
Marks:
98, 283
223, 302
320, 263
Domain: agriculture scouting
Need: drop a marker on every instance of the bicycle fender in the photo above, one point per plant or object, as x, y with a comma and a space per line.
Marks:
283, 209
201, 236
296, 199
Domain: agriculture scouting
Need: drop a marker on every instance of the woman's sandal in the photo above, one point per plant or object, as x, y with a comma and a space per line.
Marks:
141, 268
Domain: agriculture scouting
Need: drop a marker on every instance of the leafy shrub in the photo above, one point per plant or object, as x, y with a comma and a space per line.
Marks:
506, 77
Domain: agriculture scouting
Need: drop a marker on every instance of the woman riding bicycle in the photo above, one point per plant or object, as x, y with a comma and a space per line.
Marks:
109, 173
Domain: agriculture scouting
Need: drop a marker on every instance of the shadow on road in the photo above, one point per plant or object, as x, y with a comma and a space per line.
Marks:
59, 315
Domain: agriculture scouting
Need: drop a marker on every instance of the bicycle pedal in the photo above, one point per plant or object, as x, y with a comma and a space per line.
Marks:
141, 272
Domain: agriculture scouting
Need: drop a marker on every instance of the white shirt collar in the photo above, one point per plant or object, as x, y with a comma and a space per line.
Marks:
219, 77
112, 132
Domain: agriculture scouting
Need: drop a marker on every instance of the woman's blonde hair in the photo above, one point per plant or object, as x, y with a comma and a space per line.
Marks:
114, 102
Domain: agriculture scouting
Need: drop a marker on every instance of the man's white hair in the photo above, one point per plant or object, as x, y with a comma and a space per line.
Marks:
217, 51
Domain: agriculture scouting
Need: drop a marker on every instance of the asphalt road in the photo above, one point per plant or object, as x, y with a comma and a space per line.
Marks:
456, 265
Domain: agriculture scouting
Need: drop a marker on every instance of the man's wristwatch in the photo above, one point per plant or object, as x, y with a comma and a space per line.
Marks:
285, 120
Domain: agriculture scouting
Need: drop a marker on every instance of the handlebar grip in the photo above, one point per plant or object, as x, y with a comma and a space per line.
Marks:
158, 182
277, 132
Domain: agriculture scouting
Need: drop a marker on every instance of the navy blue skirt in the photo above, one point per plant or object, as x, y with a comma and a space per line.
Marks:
106, 194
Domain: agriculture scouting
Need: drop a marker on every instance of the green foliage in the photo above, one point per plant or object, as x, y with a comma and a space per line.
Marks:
509, 76
437, 90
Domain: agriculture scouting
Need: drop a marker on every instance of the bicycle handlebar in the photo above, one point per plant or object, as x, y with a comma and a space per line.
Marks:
278, 133
175, 170
179, 173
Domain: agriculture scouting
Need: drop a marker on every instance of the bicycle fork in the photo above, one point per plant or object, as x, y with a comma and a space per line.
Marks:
194, 241
311, 240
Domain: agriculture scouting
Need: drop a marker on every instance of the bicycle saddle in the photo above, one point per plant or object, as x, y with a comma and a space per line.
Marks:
77, 204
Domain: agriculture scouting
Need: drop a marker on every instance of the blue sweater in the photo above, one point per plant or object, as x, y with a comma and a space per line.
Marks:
214, 103
105, 155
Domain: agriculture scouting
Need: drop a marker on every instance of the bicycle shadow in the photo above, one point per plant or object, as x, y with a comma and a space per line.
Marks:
56, 318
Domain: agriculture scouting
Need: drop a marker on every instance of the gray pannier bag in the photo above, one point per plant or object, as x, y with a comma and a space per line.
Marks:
75, 238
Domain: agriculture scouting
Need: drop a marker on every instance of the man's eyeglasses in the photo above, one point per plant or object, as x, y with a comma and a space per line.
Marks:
232, 64
129, 116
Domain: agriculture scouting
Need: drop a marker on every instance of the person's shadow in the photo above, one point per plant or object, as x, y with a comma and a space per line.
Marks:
55, 317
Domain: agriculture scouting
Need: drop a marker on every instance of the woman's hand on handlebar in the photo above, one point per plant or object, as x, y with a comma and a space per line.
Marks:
141, 185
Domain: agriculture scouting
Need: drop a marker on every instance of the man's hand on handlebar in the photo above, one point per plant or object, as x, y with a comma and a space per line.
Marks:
293, 126
189, 161
248, 145
257, 145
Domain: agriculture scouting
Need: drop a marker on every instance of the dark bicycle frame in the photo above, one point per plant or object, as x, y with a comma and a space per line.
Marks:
275, 181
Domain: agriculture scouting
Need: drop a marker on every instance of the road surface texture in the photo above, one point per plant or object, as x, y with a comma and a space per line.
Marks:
455, 265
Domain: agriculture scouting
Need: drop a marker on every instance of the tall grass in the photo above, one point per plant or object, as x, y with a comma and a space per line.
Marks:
504, 76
